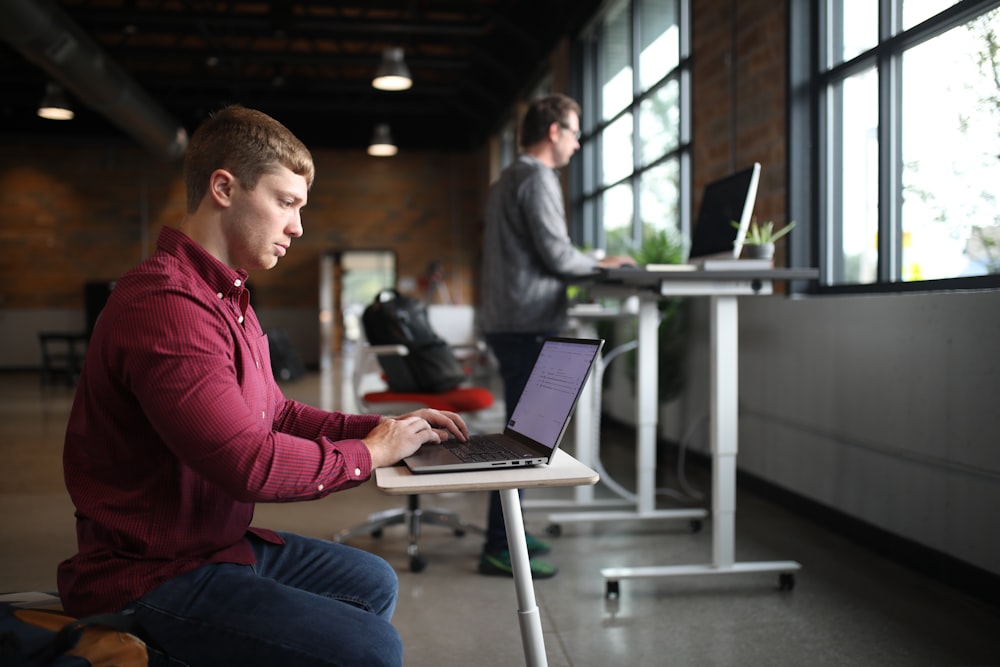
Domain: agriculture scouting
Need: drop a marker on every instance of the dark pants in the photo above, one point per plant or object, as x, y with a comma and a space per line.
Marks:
308, 603
515, 352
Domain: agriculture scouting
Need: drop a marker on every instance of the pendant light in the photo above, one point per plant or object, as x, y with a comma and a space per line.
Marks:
382, 145
392, 73
55, 104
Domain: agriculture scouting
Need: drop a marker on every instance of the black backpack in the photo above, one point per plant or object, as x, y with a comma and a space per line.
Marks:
431, 365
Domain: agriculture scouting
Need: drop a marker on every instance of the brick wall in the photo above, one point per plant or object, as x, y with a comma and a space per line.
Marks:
73, 214
739, 95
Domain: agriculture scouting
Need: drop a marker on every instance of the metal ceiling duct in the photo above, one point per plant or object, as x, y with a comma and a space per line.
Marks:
46, 36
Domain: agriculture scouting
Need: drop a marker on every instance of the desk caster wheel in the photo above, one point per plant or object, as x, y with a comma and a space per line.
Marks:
417, 564
459, 532
377, 534
786, 581
553, 530
694, 525
611, 590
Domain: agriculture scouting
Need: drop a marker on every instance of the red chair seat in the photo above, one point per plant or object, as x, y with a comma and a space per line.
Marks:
460, 399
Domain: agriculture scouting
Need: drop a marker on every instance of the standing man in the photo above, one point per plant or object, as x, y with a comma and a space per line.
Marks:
527, 259
178, 428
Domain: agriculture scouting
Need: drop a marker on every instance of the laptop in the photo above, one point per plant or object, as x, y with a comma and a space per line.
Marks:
537, 423
725, 201
715, 237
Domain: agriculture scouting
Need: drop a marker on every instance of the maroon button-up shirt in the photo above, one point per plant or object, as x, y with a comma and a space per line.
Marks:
178, 428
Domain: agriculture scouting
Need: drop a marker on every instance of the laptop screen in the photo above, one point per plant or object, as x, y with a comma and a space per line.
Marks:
725, 201
547, 401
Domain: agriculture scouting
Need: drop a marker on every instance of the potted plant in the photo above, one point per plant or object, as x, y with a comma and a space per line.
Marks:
760, 239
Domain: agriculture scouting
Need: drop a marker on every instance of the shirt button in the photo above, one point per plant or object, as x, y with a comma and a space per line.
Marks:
240, 320
238, 282
219, 295
263, 415
357, 472
258, 364
320, 487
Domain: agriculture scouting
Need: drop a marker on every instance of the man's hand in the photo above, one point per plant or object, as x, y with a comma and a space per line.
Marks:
446, 424
397, 437
616, 261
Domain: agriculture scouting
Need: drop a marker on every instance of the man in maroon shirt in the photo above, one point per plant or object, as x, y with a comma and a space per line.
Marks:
178, 428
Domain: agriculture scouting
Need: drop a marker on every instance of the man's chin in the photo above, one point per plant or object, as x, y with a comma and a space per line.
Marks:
265, 264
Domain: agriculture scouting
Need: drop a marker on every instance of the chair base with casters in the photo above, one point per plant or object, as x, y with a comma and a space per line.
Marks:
463, 399
413, 516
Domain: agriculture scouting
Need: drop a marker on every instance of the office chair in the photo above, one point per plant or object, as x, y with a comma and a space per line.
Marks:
464, 400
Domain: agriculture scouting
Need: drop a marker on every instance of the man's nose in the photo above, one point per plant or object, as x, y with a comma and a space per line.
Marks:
295, 229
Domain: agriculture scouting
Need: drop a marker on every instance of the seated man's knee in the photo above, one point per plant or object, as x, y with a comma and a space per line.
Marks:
382, 647
386, 587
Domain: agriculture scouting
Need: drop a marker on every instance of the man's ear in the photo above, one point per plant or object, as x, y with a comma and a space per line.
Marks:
220, 186
554, 129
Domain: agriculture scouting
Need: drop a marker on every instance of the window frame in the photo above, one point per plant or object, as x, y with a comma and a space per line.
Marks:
812, 155
586, 191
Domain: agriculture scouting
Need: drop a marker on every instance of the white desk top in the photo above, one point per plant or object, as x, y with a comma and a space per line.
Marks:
716, 282
643, 277
563, 471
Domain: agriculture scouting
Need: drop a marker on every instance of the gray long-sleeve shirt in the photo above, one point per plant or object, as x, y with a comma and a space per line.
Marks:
527, 252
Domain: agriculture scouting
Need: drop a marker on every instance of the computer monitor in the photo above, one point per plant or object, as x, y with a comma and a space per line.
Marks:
727, 200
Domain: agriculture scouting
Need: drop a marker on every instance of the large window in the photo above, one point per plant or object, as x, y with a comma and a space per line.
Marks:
904, 109
629, 179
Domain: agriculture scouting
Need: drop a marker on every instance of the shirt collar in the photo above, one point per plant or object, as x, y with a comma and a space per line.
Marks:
531, 159
219, 277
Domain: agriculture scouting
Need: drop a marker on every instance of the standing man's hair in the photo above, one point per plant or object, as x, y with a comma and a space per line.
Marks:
544, 111
247, 143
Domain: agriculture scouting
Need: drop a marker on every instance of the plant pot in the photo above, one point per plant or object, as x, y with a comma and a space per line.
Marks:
762, 251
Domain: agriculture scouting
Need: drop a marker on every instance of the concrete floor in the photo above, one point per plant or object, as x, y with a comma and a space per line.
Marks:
849, 606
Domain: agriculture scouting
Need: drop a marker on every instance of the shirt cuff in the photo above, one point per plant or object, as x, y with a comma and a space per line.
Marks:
357, 459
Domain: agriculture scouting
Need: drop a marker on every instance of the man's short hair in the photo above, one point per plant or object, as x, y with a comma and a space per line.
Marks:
544, 111
247, 143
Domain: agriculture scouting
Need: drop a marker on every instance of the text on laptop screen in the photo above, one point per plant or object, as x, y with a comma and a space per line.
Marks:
551, 390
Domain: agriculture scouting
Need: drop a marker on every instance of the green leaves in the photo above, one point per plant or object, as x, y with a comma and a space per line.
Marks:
659, 246
762, 234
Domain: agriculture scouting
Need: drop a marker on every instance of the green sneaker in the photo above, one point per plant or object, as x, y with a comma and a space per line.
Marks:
499, 564
536, 547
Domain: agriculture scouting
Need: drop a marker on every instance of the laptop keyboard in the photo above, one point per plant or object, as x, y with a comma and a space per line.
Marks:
480, 449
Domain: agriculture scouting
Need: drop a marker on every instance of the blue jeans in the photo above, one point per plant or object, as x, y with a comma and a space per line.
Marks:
307, 602
515, 353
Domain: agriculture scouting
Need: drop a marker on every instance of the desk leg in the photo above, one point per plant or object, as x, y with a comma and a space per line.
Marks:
724, 378
528, 616
647, 404
724, 372
585, 432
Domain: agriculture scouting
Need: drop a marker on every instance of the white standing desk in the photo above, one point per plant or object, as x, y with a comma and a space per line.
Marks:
584, 506
722, 288
563, 471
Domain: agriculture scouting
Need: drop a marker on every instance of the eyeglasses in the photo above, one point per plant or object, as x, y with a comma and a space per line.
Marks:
576, 133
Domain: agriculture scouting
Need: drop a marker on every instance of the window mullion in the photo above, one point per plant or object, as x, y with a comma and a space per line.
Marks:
635, 47
890, 238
